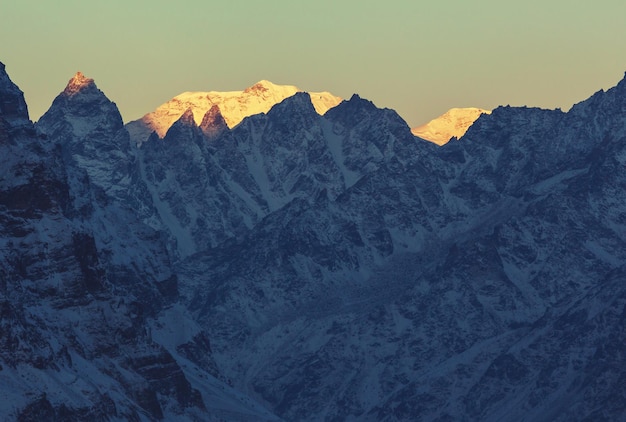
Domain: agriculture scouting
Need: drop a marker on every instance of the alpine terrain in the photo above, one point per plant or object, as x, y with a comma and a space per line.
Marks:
233, 106
272, 254
452, 124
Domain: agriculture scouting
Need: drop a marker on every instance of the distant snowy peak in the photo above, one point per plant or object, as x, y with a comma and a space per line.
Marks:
234, 106
453, 123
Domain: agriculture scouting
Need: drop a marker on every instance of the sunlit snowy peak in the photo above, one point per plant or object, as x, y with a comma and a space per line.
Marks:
233, 106
453, 123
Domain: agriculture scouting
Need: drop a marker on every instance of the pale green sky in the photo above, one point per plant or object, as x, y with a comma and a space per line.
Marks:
418, 57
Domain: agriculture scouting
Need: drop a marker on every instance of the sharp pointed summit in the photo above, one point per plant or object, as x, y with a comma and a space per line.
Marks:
187, 118
82, 100
89, 128
184, 129
234, 106
213, 122
292, 106
77, 84
13, 108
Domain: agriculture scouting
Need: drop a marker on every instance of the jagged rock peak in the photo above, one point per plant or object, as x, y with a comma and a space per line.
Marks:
234, 106
187, 118
78, 83
353, 109
12, 104
89, 108
183, 129
361, 103
299, 101
620, 88
213, 116
213, 122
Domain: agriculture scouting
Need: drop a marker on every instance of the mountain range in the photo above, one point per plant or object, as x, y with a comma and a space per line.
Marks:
233, 106
313, 261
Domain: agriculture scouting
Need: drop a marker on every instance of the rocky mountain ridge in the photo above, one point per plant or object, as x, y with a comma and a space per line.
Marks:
323, 267
233, 106
86, 285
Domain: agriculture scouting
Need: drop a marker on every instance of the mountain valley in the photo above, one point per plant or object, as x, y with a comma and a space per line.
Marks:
273, 254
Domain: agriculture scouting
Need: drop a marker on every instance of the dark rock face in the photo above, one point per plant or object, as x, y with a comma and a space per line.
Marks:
87, 256
105, 187
167, 378
213, 123
434, 281
332, 267
190, 194
13, 108
82, 276
37, 411
42, 410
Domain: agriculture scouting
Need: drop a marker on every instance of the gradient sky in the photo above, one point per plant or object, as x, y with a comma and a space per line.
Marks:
417, 57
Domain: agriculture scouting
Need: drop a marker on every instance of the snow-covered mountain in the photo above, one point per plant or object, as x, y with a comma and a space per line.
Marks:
232, 105
91, 326
444, 287
452, 124
322, 267
209, 190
